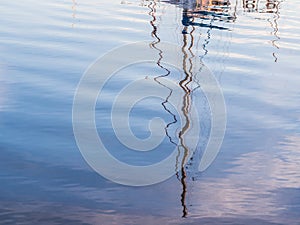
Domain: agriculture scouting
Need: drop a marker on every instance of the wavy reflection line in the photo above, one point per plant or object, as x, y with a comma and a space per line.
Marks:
152, 13
185, 111
274, 26
206, 42
205, 52
270, 6
187, 65
189, 77
235, 11
185, 83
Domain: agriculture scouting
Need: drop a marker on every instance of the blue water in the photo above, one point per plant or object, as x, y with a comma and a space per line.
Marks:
254, 53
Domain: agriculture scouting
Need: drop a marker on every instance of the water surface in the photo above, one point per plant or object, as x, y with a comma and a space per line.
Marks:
253, 51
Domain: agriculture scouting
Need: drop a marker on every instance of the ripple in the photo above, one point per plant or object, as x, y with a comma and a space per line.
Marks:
47, 45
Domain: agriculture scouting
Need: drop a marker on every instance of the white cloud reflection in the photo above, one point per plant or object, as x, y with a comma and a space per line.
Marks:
251, 187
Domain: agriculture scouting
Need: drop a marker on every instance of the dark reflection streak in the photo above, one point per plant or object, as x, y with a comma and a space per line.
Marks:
188, 78
152, 7
192, 54
204, 47
185, 110
183, 193
235, 10
271, 6
190, 49
188, 20
206, 42
274, 26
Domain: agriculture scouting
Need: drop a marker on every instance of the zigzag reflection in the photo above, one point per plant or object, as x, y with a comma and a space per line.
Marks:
189, 79
152, 7
208, 15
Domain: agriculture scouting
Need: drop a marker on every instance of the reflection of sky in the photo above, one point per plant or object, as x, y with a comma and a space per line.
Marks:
43, 176
255, 186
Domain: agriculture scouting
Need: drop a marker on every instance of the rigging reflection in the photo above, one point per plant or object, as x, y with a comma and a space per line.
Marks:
152, 7
202, 10
274, 24
268, 7
206, 15
210, 11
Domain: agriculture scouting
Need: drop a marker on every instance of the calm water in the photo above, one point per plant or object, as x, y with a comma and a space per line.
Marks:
253, 52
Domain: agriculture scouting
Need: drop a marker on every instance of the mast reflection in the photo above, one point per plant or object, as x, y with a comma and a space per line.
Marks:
205, 11
208, 15
194, 14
